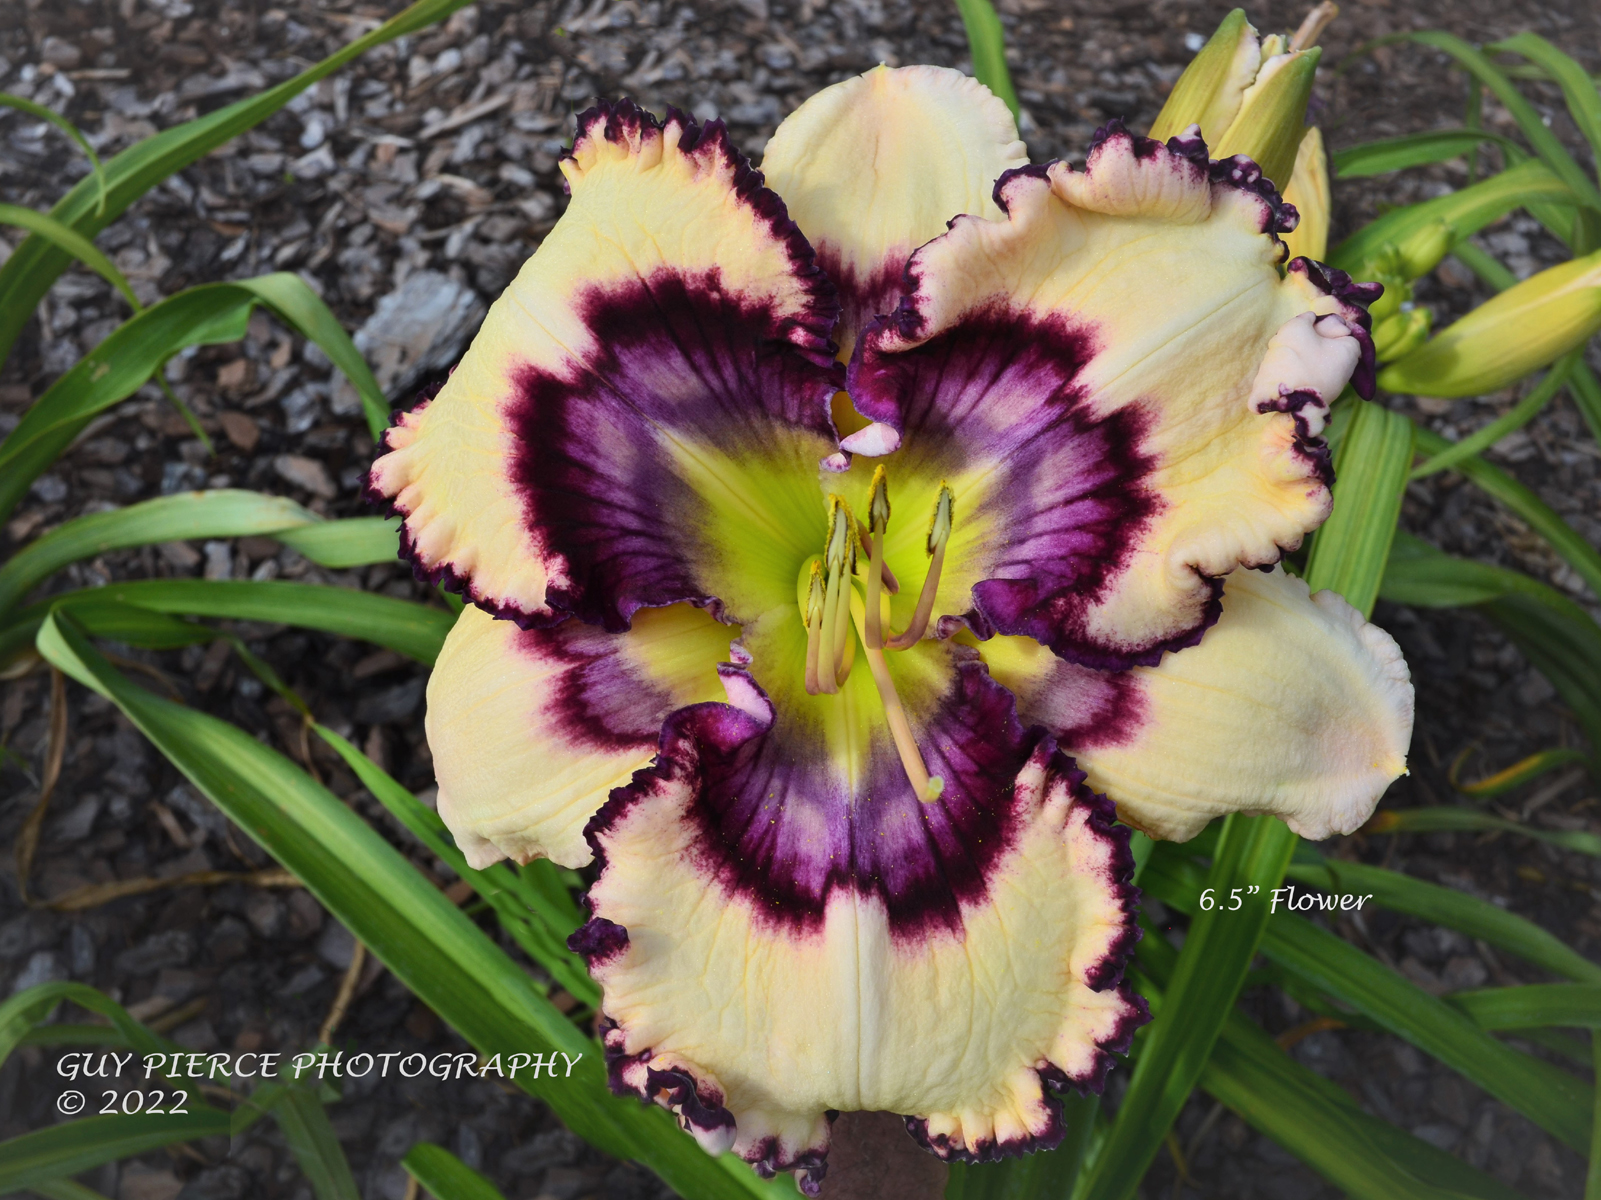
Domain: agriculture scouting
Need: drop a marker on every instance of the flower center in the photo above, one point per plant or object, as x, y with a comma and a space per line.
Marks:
840, 610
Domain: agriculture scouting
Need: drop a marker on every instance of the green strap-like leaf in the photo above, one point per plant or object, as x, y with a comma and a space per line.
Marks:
1466, 212
1551, 1098
1451, 818
413, 929
1419, 574
1448, 907
1523, 503
1533, 1006
351, 542
1349, 552
27, 275
7, 100
1546, 144
1578, 89
1312, 1117
1413, 150
73, 1147
401, 625
446, 1177
74, 243
120, 365
1564, 649
986, 42
1517, 417
312, 1140
545, 939
225, 513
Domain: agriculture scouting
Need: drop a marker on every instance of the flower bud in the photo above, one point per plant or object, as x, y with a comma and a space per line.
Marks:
1423, 249
1208, 93
1308, 190
1521, 330
1401, 333
1272, 119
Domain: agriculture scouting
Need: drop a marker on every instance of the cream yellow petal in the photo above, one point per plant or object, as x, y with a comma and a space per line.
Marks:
1309, 192
1292, 705
752, 1019
674, 313
873, 167
531, 729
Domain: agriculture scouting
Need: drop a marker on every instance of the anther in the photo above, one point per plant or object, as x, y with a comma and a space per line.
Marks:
939, 536
814, 626
841, 539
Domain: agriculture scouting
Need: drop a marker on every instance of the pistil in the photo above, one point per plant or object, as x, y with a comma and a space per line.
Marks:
924, 786
939, 535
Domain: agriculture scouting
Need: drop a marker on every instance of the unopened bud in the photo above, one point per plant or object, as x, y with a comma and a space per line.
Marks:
1308, 190
1423, 249
1401, 333
1523, 329
1208, 93
1272, 118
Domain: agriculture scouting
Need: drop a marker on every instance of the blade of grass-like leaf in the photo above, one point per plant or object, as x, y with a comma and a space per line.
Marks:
294, 301
1532, 1006
1523, 503
350, 542
27, 275
1515, 418
401, 625
73, 242
1312, 1117
1466, 211
305, 1125
73, 1147
1413, 150
413, 929
1450, 818
1421, 575
224, 513
66, 1189
119, 366
445, 1176
1578, 89
7, 100
544, 940
1566, 651
1525, 770
1545, 143
104, 618
112, 372
1218, 949
1551, 1098
1450, 908
986, 42
1349, 552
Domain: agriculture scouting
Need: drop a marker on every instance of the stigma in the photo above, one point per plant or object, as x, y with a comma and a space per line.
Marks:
835, 605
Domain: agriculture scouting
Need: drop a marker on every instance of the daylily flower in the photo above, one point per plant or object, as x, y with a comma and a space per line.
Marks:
828, 704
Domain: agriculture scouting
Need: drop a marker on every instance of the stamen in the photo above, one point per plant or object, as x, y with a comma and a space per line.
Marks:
924, 786
814, 626
878, 521
891, 584
844, 642
939, 536
840, 543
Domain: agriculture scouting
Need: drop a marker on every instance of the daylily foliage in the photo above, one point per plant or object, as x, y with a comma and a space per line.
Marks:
836, 539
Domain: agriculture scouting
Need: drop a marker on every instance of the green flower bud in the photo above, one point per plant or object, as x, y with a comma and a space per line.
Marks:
1397, 291
1523, 329
1422, 251
1401, 333
1208, 93
1272, 117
